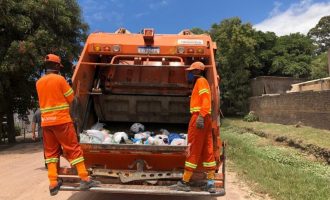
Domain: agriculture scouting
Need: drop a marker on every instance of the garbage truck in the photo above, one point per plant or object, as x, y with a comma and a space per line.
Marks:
125, 77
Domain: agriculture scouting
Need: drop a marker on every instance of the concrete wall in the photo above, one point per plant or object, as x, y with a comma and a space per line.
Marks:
313, 85
311, 108
272, 85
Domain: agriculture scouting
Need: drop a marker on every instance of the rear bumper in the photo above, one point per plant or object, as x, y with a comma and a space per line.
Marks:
139, 189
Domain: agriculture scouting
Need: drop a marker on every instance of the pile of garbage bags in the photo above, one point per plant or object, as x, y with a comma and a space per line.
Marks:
137, 135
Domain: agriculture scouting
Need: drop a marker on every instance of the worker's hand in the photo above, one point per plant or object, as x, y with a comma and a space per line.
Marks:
200, 122
33, 136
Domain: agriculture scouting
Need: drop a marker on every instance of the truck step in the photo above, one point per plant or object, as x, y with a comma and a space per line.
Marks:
143, 189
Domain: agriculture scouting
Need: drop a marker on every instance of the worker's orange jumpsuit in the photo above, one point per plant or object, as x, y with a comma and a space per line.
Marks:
200, 141
55, 95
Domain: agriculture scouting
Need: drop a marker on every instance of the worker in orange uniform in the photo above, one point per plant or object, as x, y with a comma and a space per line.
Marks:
200, 140
55, 96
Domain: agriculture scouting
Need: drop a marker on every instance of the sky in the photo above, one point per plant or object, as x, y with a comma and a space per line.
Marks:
172, 16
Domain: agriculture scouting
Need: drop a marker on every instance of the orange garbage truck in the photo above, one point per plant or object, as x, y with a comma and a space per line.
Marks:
123, 77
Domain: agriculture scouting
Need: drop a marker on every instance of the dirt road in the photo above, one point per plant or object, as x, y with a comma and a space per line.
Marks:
23, 177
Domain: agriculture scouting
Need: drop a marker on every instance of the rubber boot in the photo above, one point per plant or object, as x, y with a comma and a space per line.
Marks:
54, 184
210, 187
181, 186
86, 182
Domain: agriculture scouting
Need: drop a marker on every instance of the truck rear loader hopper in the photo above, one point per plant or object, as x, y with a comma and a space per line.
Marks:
125, 77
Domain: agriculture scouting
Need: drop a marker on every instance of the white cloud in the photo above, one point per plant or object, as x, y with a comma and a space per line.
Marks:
299, 17
158, 4
276, 8
93, 12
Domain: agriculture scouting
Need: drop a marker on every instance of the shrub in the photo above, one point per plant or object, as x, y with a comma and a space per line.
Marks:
251, 117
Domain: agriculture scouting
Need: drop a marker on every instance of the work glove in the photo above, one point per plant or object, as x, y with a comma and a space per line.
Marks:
200, 122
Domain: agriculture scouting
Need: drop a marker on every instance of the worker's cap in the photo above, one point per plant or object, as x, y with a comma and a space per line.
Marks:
196, 65
53, 58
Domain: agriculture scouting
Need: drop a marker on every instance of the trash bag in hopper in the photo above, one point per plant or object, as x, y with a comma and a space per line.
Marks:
179, 142
161, 140
137, 128
164, 132
84, 138
120, 137
97, 136
143, 135
97, 126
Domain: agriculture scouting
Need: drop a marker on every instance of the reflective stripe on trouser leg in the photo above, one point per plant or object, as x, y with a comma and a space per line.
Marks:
190, 165
209, 164
51, 160
77, 160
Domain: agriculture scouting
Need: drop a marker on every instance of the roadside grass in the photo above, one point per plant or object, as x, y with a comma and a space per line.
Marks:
303, 134
282, 172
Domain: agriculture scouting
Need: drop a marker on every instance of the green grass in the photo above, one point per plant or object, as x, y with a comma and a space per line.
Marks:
304, 134
282, 172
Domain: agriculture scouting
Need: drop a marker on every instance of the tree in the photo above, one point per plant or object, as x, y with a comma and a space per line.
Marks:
198, 31
29, 31
293, 55
264, 53
236, 57
319, 66
321, 34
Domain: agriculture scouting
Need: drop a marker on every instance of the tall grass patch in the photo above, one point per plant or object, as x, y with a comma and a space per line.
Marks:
282, 172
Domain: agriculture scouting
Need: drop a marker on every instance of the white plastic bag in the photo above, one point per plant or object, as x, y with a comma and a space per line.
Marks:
120, 136
137, 128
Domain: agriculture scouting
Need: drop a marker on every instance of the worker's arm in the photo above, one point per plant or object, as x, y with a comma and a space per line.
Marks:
67, 91
205, 95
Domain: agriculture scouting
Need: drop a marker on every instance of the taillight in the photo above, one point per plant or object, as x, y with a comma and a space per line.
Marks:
97, 48
200, 50
180, 49
191, 50
115, 48
106, 48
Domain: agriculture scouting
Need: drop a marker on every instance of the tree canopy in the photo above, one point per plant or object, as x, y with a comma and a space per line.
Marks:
236, 58
28, 32
245, 53
321, 34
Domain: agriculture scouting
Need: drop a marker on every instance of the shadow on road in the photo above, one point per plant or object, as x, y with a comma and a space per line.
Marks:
21, 148
105, 196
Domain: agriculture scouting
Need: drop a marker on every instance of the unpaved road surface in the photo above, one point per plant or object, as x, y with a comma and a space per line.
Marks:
23, 177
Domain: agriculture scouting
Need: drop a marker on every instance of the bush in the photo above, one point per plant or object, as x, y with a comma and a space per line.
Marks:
251, 117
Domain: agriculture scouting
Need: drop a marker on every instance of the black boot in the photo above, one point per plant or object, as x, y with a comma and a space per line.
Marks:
53, 191
85, 185
181, 186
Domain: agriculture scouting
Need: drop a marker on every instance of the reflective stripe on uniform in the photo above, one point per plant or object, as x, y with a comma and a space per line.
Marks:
55, 108
77, 160
202, 91
197, 109
68, 93
191, 165
209, 164
51, 160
